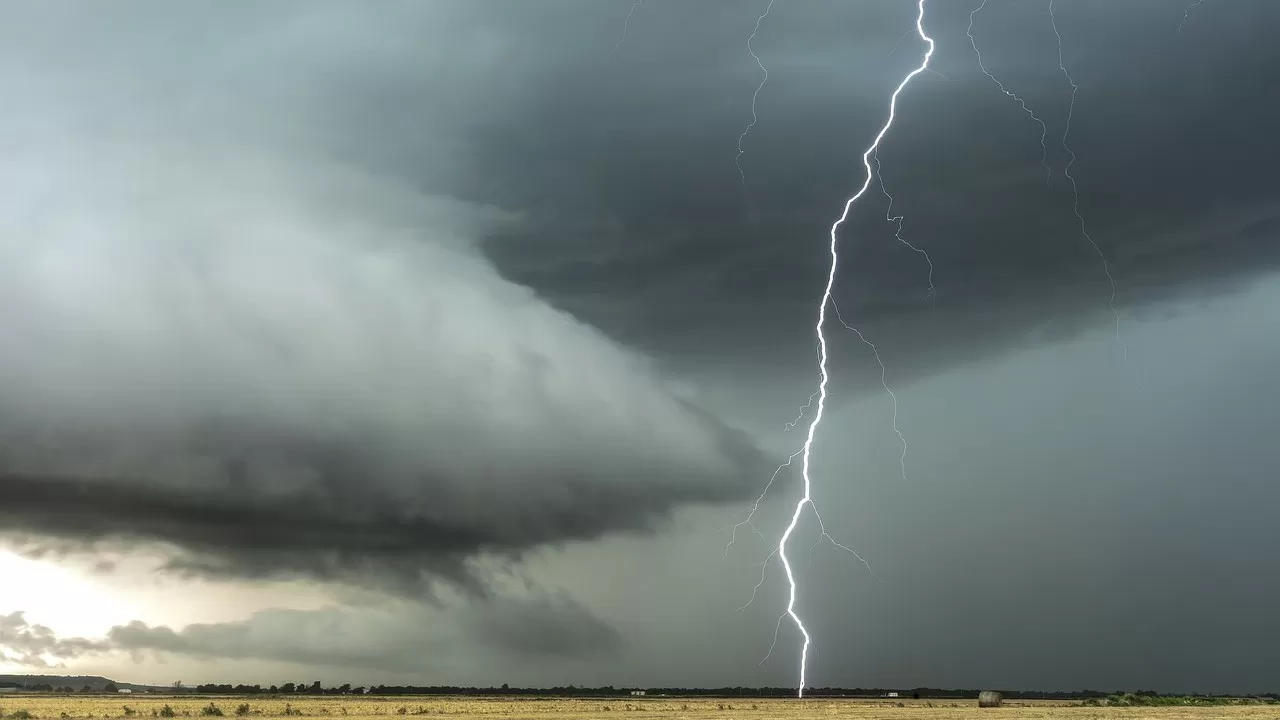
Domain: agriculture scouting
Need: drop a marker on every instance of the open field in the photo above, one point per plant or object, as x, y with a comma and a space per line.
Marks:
56, 707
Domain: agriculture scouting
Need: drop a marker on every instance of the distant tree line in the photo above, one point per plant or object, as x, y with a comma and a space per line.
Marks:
317, 688
50, 688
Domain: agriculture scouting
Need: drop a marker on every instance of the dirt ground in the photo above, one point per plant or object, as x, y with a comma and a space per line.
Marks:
144, 707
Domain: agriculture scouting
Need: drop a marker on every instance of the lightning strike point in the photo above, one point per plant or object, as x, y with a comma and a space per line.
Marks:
737, 160
824, 377
1075, 191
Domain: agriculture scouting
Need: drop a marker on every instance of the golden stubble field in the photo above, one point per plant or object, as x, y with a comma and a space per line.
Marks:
145, 707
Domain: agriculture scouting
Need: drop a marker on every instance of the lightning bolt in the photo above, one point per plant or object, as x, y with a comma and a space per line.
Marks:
626, 23
1075, 191
737, 159
1044, 129
806, 500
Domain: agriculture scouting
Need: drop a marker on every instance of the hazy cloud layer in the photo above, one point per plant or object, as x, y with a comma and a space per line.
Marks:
394, 638
37, 646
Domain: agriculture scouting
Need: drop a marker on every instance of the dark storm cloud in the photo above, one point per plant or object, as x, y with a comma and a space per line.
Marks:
1169, 129
547, 625
338, 514
233, 331
37, 646
262, 309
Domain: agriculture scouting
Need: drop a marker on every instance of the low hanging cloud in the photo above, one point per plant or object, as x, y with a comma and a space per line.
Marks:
36, 646
395, 637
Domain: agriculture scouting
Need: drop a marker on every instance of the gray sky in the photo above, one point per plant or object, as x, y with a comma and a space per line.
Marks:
427, 331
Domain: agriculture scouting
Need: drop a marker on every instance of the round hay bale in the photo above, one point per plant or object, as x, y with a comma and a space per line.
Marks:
990, 699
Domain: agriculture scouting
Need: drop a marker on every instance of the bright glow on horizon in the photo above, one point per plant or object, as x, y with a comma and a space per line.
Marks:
69, 601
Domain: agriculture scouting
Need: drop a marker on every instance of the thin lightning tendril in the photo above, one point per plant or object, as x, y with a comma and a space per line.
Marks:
1187, 15
799, 416
897, 233
1044, 129
897, 44
807, 404
737, 159
1075, 191
883, 383
625, 24
807, 499
733, 538
764, 566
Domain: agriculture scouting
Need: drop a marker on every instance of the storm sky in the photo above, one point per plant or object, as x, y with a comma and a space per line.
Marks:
442, 342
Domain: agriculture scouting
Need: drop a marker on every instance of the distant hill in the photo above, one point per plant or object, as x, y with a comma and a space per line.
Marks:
95, 682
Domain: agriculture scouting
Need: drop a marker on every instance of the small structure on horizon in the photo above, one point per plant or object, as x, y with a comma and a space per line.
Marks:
125, 691
990, 699
637, 692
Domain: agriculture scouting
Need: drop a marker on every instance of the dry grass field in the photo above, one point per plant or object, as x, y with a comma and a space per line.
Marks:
144, 707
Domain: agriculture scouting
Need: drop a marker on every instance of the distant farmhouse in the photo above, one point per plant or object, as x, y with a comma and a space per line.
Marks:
637, 692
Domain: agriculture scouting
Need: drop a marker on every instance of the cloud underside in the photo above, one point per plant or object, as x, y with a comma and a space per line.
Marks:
395, 637
285, 367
